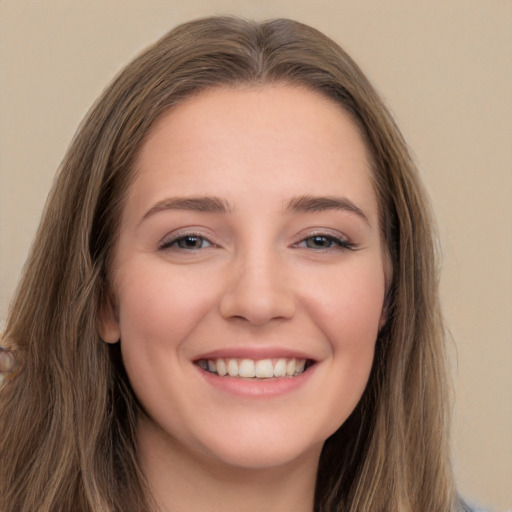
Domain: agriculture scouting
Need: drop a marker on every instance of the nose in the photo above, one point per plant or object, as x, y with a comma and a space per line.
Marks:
258, 290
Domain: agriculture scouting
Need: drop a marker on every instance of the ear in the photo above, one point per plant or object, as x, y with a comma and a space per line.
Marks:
108, 319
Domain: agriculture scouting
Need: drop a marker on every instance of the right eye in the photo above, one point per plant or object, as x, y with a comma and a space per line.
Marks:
186, 243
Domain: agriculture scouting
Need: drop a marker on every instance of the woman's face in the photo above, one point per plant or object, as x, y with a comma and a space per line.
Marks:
249, 245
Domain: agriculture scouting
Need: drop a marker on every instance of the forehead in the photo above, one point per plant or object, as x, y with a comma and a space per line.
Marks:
275, 109
229, 139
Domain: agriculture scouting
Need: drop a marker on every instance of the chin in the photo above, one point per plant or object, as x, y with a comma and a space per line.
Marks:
262, 445
254, 456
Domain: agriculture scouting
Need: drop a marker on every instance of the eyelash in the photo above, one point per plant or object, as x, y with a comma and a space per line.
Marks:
173, 242
333, 241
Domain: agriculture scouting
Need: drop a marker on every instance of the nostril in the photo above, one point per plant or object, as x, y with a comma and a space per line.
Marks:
257, 308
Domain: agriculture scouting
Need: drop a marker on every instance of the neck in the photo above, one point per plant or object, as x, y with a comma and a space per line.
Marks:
180, 481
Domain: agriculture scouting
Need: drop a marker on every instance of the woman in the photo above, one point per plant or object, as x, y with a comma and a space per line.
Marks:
231, 302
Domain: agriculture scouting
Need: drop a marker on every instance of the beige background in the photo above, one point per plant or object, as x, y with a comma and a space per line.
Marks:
444, 67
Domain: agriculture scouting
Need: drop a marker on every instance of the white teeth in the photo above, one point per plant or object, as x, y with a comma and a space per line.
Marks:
221, 367
280, 368
233, 367
249, 368
264, 369
246, 368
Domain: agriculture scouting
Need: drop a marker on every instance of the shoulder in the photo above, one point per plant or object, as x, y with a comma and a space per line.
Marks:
471, 507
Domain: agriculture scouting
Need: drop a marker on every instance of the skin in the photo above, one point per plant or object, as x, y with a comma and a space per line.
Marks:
252, 279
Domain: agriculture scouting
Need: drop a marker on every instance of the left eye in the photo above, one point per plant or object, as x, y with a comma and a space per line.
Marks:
188, 242
324, 242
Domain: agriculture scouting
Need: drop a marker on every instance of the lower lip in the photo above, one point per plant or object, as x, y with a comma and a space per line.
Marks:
257, 388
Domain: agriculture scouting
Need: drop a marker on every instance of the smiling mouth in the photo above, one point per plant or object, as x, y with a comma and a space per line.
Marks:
255, 369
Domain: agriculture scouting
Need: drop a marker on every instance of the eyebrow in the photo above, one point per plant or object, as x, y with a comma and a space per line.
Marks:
299, 204
309, 203
196, 204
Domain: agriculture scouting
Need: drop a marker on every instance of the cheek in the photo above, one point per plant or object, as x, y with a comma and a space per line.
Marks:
348, 311
161, 302
157, 311
349, 305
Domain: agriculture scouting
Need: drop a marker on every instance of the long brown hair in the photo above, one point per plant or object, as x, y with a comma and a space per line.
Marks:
68, 416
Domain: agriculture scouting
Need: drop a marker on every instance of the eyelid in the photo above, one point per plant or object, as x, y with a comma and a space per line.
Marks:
170, 238
342, 241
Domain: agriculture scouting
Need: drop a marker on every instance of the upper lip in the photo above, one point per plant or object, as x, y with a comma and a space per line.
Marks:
256, 353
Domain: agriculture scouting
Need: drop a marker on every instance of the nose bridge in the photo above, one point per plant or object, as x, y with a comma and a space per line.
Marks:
258, 289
